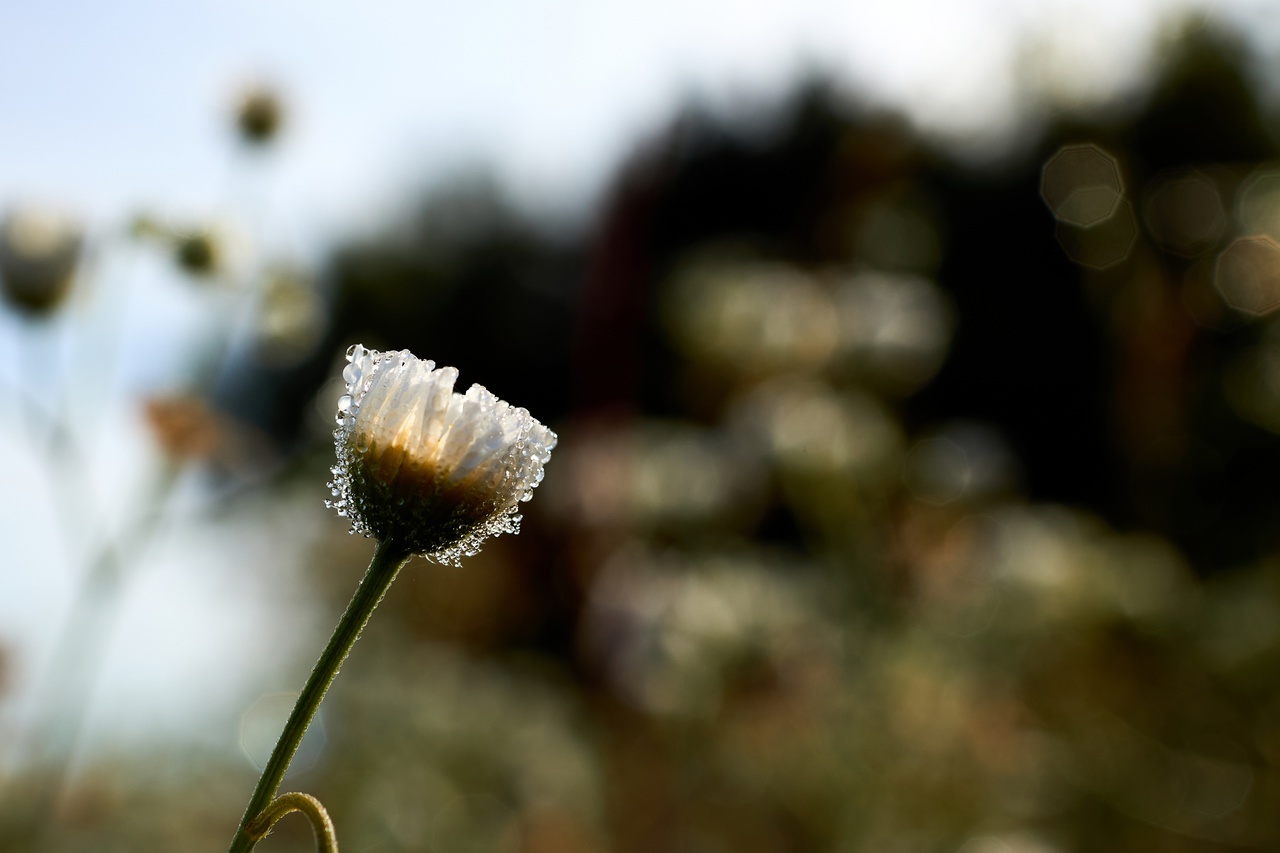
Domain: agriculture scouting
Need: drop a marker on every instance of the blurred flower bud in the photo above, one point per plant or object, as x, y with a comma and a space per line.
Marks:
292, 317
39, 251
259, 115
197, 253
437, 470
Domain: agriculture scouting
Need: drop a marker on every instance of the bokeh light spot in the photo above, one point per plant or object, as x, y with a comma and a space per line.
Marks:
1081, 184
1248, 275
1104, 244
1186, 214
894, 329
260, 727
1259, 203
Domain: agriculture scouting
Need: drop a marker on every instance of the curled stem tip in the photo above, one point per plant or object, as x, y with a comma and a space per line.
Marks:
321, 823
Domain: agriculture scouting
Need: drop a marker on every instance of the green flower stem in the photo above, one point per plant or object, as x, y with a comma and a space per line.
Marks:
321, 823
387, 560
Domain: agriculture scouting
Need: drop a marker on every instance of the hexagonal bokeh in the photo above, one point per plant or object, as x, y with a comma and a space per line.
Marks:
1103, 245
1081, 184
1247, 275
1185, 213
1259, 203
260, 727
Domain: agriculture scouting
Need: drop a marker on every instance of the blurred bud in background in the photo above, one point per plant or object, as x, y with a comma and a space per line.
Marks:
259, 115
197, 253
292, 318
39, 252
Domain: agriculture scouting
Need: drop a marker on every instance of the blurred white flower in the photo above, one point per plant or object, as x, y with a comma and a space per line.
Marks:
437, 470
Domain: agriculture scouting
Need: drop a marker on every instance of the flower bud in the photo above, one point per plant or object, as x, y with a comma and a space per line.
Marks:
437, 470
259, 116
197, 253
39, 252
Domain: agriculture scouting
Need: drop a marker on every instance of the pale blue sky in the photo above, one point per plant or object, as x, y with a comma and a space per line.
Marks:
109, 107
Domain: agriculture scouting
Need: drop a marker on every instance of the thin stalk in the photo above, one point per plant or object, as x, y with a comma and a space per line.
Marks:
387, 560
310, 807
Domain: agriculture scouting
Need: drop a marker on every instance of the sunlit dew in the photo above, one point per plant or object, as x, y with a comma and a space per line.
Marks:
750, 317
894, 329
437, 470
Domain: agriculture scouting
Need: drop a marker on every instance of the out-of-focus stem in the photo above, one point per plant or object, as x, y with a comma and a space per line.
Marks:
387, 560
74, 667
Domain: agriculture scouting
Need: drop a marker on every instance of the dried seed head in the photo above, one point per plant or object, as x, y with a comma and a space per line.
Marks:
438, 470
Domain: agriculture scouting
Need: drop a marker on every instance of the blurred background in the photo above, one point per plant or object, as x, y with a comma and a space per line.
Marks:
917, 378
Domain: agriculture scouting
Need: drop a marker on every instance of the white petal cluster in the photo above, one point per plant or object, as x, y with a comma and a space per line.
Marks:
437, 470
